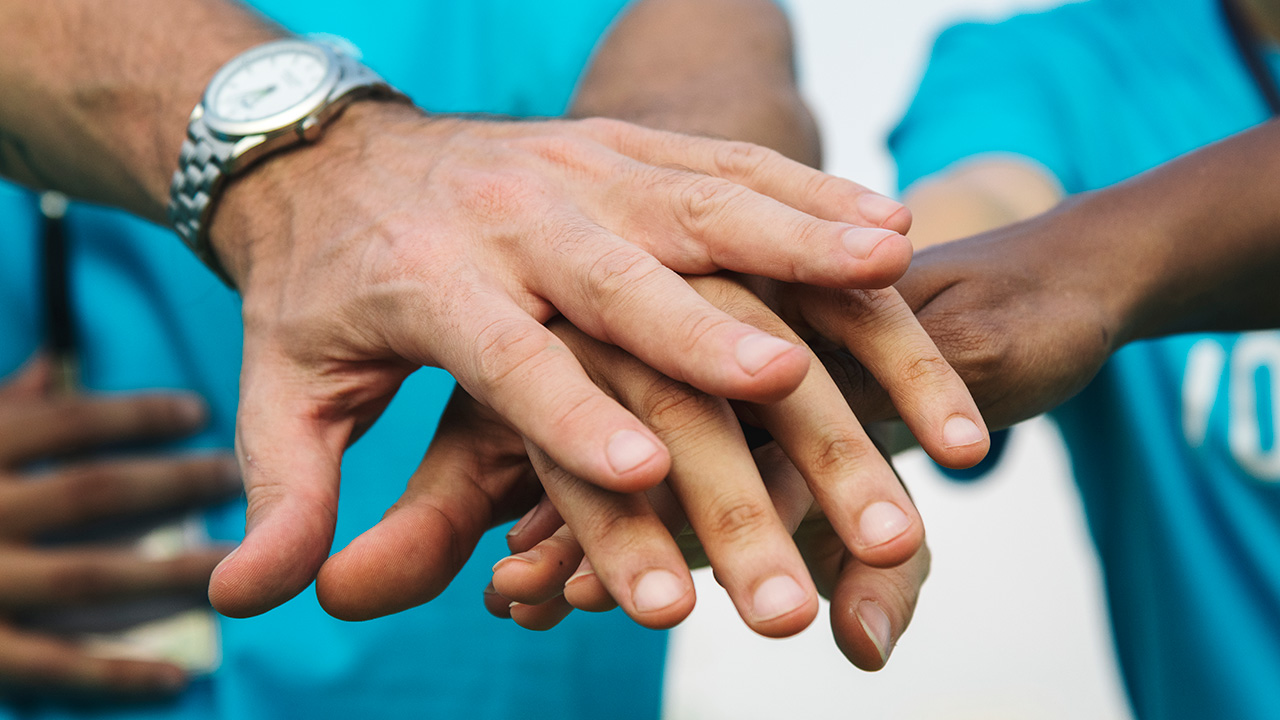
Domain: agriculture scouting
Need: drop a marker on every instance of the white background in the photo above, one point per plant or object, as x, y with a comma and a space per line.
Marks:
1011, 623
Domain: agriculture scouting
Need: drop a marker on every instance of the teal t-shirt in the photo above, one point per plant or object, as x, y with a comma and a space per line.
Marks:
150, 316
1174, 445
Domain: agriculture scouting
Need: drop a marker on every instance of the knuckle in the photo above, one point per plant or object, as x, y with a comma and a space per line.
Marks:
579, 410
567, 151
927, 369
693, 329
606, 129
822, 185
506, 348
839, 448
741, 159
620, 272
737, 519
672, 406
704, 202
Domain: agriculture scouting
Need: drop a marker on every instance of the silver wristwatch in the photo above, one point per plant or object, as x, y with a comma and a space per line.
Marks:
267, 98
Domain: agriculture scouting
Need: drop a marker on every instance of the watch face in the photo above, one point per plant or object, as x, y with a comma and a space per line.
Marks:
268, 88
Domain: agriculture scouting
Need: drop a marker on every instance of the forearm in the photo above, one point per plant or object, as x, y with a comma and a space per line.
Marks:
94, 95
720, 68
1195, 244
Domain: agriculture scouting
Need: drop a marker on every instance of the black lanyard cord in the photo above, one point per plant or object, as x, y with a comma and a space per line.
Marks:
60, 326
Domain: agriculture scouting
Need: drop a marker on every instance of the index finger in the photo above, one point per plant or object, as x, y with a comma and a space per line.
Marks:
763, 170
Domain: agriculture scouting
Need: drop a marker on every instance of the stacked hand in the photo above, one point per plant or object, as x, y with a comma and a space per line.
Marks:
479, 470
70, 493
401, 240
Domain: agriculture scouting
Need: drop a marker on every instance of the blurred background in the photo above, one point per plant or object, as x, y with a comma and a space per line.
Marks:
1011, 623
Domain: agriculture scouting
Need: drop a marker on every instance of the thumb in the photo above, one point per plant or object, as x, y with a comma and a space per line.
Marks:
290, 453
871, 607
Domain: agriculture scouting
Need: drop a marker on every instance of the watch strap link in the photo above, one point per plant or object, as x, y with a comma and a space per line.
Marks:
206, 161
196, 182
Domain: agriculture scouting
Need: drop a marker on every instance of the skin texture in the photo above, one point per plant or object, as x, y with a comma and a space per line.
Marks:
400, 240
477, 469
473, 475
1140, 269
77, 491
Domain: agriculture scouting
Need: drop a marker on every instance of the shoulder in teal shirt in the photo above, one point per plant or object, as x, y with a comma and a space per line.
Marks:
1174, 445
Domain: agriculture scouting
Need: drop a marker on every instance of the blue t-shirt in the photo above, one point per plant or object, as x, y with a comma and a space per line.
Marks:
151, 316
1174, 445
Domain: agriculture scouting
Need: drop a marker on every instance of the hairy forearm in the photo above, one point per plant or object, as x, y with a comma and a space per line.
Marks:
1195, 244
94, 94
721, 68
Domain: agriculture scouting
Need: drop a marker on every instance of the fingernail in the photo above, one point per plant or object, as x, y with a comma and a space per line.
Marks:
628, 450
776, 597
191, 411
530, 557
657, 589
960, 431
877, 208
882, 522
757, 350
877, 627
861, 242
581, 572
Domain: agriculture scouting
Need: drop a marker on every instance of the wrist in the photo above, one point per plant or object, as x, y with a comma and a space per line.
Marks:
288, 197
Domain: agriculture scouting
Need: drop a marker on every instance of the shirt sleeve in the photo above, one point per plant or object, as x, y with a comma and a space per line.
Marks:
986, 90
19, 263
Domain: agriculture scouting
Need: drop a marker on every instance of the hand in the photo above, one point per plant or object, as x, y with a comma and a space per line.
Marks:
401, 241
476, 467
1025, 329
870, 607
74, 494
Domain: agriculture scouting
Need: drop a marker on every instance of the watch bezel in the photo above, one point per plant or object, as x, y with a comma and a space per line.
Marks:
284, 119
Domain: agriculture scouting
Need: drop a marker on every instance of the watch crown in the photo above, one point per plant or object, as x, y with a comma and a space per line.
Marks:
310, 128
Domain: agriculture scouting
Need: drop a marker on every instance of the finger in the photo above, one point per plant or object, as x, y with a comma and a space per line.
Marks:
872, 607
522, 371
497, 605
635, 556
40, 664
620, 294
540, 617
61, 426
90, 492
720, 224
714, 478
535, 526
584, 590
883, 334
470, 479
764, 171
39, 578
788, 491
538, 574
290, 453
852, 483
